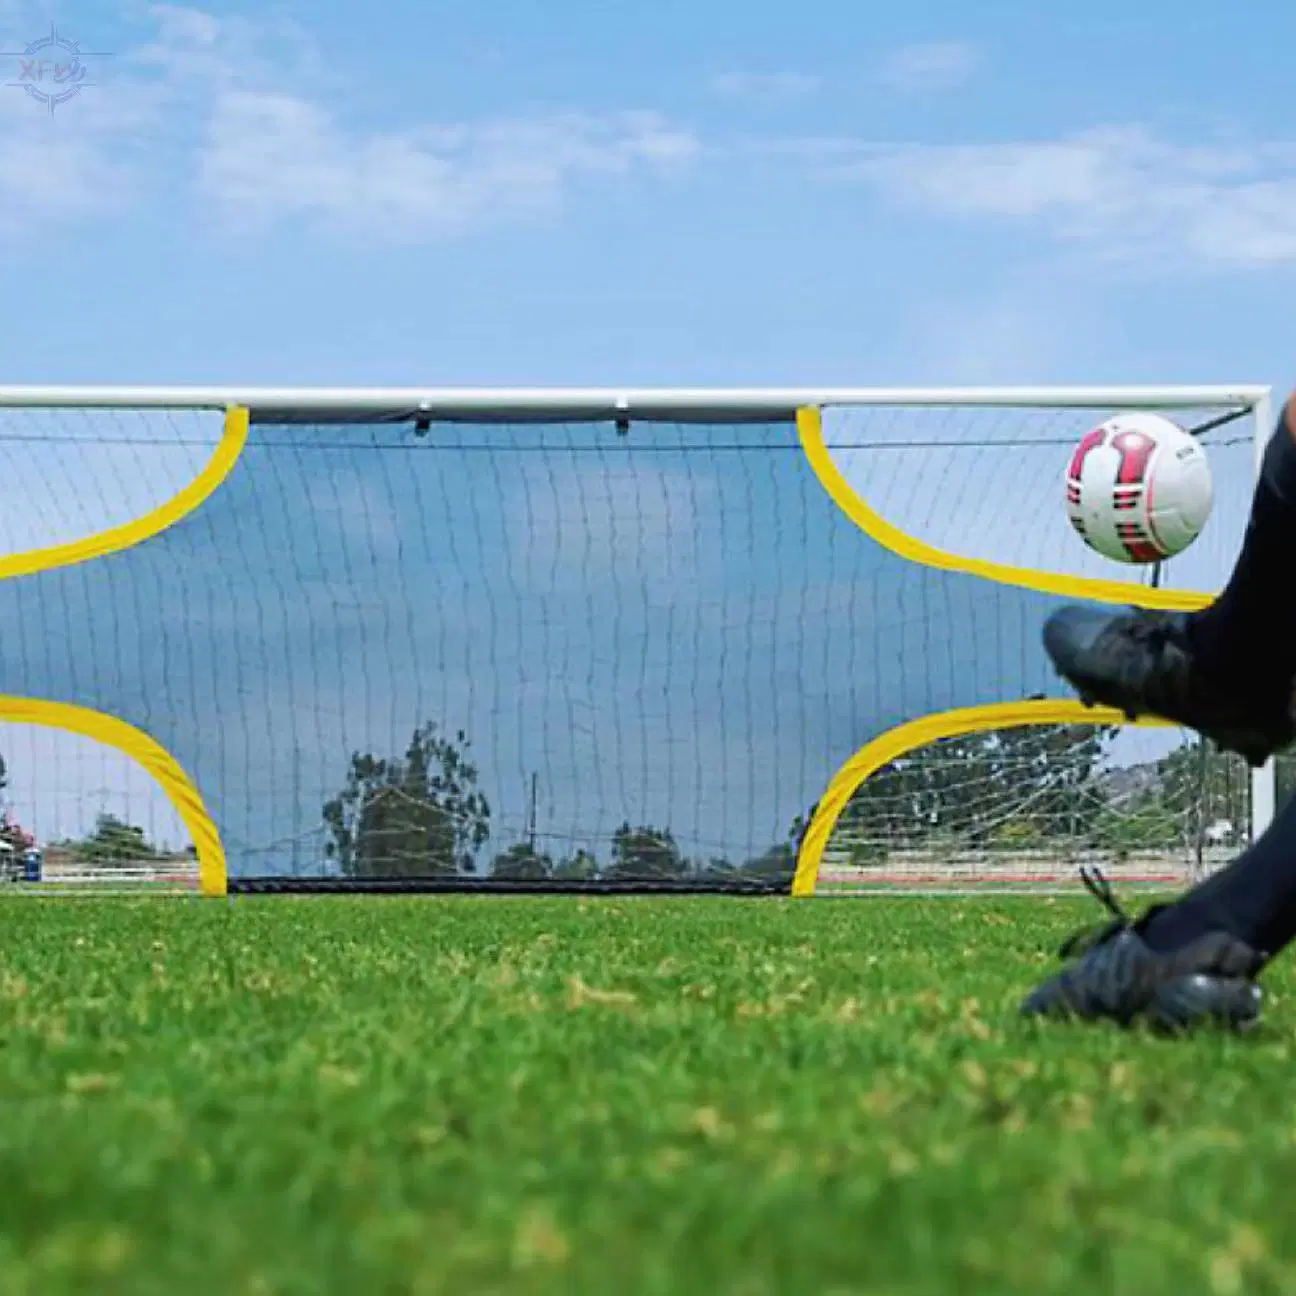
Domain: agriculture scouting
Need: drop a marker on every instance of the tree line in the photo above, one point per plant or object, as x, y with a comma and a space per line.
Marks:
112, 841
1036, 787
423, 815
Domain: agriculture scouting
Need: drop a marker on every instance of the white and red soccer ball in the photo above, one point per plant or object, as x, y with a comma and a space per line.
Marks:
1138, 488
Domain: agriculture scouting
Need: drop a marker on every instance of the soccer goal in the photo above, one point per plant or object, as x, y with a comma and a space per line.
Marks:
752, 641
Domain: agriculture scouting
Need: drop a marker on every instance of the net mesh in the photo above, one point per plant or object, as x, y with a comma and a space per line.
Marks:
558, 651
1027, 806
987, 483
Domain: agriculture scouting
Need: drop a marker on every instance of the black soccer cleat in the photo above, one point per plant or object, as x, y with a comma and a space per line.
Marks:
1141, 662
1115, 976
1229, 1003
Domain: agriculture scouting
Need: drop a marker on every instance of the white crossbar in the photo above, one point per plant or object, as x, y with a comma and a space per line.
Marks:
324, 404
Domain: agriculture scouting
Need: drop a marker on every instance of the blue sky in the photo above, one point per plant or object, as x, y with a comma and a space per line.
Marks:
676, 194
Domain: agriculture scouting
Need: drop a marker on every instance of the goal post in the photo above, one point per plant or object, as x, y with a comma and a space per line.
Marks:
736, 640
1263, 779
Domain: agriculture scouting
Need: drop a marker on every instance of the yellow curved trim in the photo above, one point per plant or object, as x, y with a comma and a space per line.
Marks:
905, 738
844, 495
213, 876
214, 472
135, 743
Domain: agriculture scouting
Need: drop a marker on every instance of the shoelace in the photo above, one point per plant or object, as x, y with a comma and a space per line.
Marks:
1233, 958
1087, 938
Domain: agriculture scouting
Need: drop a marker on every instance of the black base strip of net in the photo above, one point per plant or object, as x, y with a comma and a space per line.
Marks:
488, 886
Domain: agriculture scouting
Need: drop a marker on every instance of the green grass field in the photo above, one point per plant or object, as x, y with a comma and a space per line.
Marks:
695, 1096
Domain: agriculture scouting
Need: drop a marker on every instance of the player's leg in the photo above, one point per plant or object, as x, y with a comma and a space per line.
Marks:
1253, 898
1250, 629
1226, 671
1192, 961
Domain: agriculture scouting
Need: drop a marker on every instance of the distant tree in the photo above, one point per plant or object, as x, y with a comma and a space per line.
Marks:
1186, 791
800, 826
580, 867
715, 869
1007, 787
1144, 823
645, 852
421, 816
775, 864
1190, 789
113, 841
1045, 776
521, 863
1199, 784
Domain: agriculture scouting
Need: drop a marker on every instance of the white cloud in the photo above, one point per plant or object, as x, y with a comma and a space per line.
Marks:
48, 176
198, 54
221, 100
218, 98
83, 161
269, 156
80, 161
764, 85
938, 65
1118, 189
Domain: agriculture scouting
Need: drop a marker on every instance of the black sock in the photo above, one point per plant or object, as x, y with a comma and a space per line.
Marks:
1253, 898
1248, 634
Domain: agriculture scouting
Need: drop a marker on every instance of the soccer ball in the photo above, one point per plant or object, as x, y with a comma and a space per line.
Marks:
1138, 488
